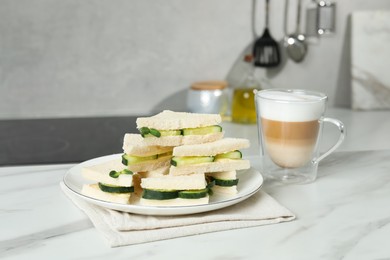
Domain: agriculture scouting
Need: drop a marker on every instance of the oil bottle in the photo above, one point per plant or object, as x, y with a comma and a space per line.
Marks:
243, 102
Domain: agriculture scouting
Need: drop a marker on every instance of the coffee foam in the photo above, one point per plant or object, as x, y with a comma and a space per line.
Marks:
290, 107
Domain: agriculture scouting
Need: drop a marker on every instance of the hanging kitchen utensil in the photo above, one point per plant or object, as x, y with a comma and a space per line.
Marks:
295, 43
266, 49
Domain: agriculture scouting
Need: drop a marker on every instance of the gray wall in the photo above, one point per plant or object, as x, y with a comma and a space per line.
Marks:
129, 57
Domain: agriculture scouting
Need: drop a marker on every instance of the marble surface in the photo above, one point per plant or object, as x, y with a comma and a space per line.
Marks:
370, 55
343, 215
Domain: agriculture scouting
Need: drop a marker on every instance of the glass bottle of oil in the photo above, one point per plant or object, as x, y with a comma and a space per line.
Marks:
243, 102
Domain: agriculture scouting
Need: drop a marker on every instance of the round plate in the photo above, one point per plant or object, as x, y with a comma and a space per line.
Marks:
250, 182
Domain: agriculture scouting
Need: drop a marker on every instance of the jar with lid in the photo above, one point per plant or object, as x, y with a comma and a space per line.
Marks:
208, 97
243, 103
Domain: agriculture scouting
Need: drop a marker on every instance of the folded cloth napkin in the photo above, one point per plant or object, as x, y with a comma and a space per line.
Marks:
121, 228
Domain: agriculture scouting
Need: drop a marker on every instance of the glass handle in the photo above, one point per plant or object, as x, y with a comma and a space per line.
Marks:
343, 133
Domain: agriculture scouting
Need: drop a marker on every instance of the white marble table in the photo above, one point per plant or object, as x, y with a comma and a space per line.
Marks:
345, 214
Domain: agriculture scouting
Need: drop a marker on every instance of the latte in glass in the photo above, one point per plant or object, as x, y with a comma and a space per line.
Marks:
290, 126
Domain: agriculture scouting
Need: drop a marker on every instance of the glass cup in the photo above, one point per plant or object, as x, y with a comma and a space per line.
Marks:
290, 128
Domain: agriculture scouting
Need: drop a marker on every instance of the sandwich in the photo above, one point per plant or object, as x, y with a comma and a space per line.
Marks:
140, 157
219, 156
170, 128
113, 182
117, 180
171, 190
223, 182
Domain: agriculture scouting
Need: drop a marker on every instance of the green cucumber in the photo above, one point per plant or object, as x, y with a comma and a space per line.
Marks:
210, 184
164, 133
185, 160
154, 132
159, 194
145, 131
202, 130
225, 183
115, 189
131, 159
115, 174
229, 155
170, 132
193, 194
151, 132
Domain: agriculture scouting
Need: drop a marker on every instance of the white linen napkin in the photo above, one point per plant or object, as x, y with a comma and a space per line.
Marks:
121, 228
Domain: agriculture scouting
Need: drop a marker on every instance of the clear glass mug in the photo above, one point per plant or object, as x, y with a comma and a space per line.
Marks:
290, 126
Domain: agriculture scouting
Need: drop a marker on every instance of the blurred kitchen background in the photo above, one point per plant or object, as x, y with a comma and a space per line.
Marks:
74, 75
115, 58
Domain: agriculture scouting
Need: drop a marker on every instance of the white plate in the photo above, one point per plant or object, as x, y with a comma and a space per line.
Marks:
249, 183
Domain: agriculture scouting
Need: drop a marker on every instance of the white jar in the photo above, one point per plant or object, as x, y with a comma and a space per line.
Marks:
208, 97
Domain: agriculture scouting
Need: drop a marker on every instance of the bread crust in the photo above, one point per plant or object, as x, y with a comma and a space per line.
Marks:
170, 120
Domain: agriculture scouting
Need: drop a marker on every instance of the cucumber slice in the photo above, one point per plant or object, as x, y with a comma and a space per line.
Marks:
131, 159
164, 133
170, 132
229, 155
115, 189
151, 132
202, 130
225, 183
115, 174
185, 160
159, 194
193, 194
144, 131
210, 184
154, 132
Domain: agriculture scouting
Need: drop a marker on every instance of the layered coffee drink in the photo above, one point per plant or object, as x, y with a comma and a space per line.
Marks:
290, 125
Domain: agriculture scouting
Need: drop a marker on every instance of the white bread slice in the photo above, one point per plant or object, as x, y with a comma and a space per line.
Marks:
92, 190
170, 120
219, 166
155, 173
225, 190
175, 202
134, 144
169, 182
211, 149
200, 139
183, 140
100, 173
150, 165
226, 175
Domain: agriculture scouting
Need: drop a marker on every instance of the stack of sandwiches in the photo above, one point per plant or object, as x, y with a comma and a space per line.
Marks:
177, 159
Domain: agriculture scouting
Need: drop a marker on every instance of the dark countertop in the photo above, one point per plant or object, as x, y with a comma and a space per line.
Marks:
65, 140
